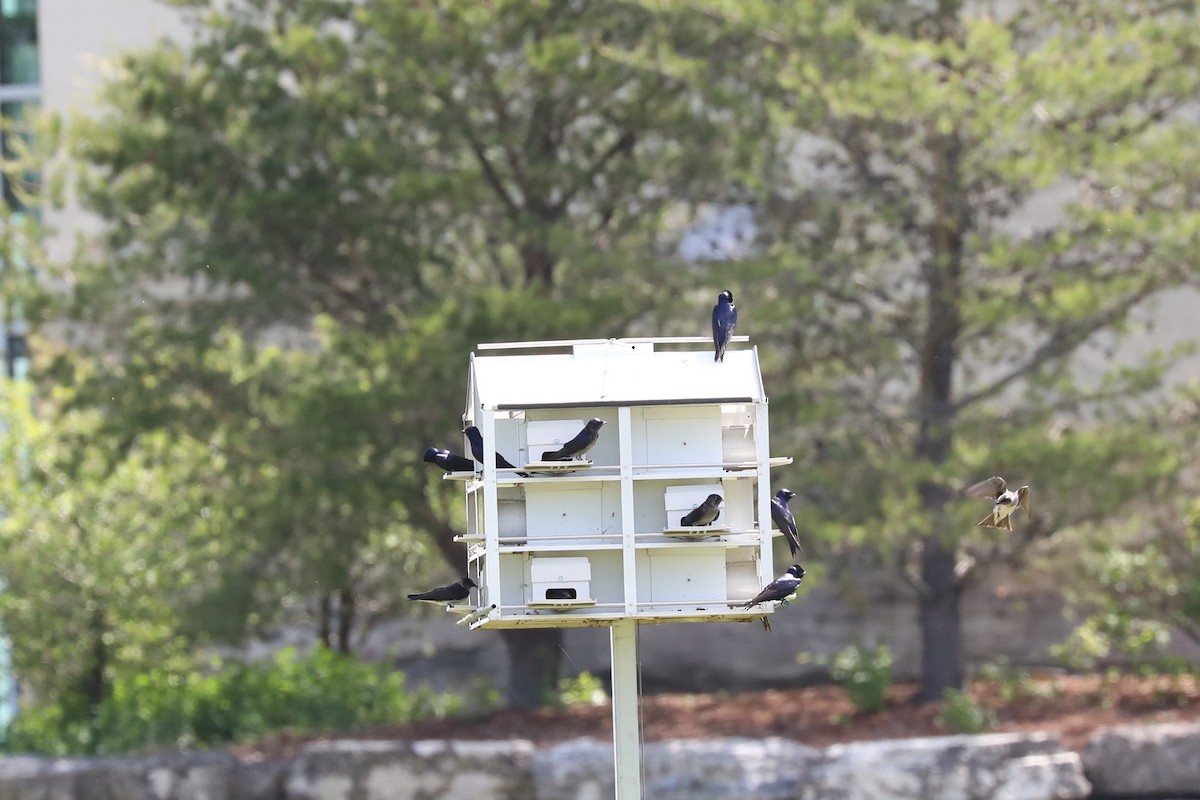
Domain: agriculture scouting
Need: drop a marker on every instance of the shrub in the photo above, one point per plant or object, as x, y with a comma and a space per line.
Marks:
319, 691
864, 675
961, 714
585, 689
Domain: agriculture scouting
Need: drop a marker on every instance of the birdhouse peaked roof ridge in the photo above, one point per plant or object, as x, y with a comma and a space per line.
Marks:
601, 372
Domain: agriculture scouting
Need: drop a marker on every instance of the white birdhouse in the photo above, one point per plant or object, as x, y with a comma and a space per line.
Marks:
594, 539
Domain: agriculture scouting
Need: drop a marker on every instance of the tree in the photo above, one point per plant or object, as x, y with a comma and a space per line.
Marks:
928, 327
100, 559
422, 177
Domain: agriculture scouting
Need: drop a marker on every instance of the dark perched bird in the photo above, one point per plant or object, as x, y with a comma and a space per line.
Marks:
576, 448
724, 320
476, 439
781, 588
1004, 502
704, 514
447, 594
451, 462
782, 515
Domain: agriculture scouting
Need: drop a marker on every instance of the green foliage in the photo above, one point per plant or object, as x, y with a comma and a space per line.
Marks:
864, 674
930, 328
1140, 588
584, 689
962, 714
377, 186
105, 546
314, 210
1015, 684
229, 702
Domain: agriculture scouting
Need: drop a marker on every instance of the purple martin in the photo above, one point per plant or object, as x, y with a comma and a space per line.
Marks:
704, 514
781, 588
576, 448
783, 518
1004, 502
451, 462
477, 450
724, 320
447, 594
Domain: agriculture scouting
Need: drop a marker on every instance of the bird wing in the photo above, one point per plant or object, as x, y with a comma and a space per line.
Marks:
1023, 500
569, 449
992, 488
454, 591
775, 590
787, 524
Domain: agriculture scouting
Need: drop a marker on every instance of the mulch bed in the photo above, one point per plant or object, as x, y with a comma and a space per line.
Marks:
1073, 707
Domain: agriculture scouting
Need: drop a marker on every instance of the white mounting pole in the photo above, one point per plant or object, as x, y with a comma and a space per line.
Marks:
627, 751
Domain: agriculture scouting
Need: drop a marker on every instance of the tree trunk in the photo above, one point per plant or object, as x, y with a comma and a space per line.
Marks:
346, 609
941, 590
941, 626
538, 264
533, 664
325, 620
95, 679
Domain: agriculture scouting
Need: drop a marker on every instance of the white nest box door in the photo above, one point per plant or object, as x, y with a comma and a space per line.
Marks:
559, 580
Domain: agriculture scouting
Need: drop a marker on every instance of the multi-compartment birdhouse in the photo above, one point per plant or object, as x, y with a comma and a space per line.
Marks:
602, 536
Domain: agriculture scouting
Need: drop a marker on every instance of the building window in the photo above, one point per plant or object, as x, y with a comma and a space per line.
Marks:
18, 42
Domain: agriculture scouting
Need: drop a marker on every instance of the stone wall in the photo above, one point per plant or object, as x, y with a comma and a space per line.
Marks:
1152, 762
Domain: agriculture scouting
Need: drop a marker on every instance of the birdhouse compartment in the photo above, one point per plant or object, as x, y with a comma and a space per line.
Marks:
572, 513
551, 435
560, 580
677, 435
683, 575
737, 434
680, 500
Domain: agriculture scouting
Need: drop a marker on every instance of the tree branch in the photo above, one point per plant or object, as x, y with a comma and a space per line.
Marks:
489, 171
1061, 342
622, 146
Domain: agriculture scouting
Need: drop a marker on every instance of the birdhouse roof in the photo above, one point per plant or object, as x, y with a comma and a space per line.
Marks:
613, 372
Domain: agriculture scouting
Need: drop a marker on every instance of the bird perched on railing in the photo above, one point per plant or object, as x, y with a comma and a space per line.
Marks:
447, 594
783, 517
781, 588
724, 320
1004, 502
451, 462
476, 439
577, 448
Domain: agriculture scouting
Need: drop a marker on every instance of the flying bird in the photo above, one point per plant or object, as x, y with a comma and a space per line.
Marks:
704, 514
447, 594
1004, 502
785, 521
724, 320
781, 588
451, 462
477, 450
576, 448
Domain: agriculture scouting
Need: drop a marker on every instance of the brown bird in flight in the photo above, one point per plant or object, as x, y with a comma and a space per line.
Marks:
1004, 502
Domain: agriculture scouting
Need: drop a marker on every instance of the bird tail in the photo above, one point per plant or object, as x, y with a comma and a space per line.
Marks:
766, 624
986, 522
414, 597
549, 455
1006, 523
